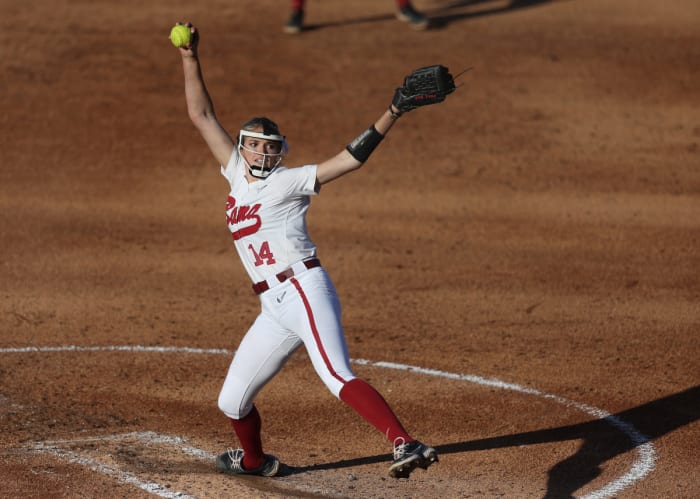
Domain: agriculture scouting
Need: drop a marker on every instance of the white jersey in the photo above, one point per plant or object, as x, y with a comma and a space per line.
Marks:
267, 218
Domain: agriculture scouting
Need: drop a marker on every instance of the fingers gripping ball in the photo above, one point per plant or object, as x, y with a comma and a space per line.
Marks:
180, 35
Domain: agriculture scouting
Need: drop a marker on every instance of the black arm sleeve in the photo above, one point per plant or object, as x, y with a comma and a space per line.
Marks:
362, 146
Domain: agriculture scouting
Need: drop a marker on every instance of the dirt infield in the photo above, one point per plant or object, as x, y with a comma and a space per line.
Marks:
518, 267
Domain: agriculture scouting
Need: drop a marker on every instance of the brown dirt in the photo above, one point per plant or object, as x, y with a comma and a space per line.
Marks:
540, 228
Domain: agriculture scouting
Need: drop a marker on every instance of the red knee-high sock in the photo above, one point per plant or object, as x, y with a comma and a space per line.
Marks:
297, 4
369, 404
402, 3
248, 432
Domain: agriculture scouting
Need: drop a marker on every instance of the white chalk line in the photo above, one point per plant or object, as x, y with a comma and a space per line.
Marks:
646, 455
147, 437
54, 448
641, 467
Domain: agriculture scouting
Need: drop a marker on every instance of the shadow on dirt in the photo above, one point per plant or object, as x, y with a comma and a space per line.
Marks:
470, 9
602, 441
442, 16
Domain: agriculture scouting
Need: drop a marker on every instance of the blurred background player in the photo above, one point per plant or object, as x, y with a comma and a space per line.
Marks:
405, 13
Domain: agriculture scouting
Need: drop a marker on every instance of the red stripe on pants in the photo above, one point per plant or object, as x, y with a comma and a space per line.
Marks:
314, 330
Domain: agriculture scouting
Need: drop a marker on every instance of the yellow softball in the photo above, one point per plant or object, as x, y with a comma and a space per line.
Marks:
180, 35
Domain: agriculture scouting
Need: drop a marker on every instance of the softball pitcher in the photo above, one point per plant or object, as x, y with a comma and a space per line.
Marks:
266, 214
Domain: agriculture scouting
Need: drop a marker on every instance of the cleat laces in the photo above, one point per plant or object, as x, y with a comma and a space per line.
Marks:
236, 456
399, 448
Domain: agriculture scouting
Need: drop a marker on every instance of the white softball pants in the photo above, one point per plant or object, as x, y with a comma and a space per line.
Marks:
303, 309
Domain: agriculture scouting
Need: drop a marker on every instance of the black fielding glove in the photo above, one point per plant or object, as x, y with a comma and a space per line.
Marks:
423, 87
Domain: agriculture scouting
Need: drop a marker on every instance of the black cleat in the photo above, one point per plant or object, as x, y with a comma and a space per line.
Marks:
231, 462
409, 456
296, 23
413, 18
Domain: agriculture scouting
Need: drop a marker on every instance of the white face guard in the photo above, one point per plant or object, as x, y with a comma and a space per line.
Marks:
266, 162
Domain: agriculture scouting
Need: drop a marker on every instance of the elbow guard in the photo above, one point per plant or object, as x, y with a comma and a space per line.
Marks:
362, 146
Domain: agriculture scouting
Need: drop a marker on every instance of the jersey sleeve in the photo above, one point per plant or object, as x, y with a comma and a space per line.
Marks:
302, 181
231, 169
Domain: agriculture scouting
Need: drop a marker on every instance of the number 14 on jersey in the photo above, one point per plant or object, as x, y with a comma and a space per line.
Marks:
263, 255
